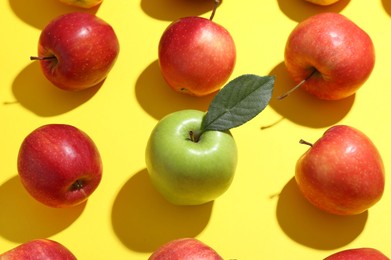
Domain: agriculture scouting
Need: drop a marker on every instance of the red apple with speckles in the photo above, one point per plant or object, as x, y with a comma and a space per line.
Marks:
329, 56
358, 254
77, 51
39, 249
196, 56
342, 173
59, 165
185, 249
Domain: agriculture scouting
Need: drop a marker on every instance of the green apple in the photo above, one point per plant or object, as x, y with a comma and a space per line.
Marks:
191, 156
188, 172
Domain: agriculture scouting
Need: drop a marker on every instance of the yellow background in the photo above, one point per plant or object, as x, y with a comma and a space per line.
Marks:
262, 215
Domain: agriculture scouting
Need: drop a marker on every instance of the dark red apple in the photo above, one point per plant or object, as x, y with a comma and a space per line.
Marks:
39, 249
77, 50
358, 254
342, 173
59, 165
196, 56
185, 249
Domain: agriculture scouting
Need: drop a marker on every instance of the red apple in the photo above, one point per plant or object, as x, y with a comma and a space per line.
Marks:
59, 165
358, 254
38, 249
196, 56
342, 173
185, 249
77, 50
330, 55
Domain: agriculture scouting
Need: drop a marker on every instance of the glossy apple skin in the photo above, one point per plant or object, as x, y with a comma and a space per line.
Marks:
196, 56
187, 172
342, 173
59, 165
39, 249
185, 249
82, 3
341, 52
85, 49
322, 2
358, 254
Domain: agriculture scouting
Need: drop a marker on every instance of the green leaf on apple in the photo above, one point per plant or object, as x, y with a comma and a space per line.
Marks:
239, 101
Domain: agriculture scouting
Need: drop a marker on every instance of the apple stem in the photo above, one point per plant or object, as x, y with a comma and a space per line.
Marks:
10, 102
297, 86
272, 124
42, 58
195, 135
217, 3
305, 142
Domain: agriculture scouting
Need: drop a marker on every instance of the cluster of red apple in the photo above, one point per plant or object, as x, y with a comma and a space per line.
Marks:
60, 166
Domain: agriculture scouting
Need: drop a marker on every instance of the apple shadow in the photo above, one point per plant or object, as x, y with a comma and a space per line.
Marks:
23, 218
39, 13
33, 91
299, 10
303, 108
171, 10
311, 227
143, 220
158, 99
387, 6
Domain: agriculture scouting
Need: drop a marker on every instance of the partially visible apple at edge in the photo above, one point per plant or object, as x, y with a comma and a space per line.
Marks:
185, 249
365, 253
39, 249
